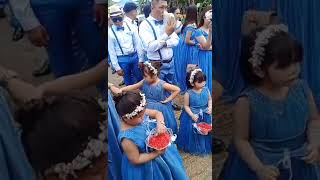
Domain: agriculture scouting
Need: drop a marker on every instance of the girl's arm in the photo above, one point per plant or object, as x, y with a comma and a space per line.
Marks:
132, 152
161, 126
241, 134
175, 90
205, 44
209, 103
132, 87
314, 123
186, 105
188, 39
81, 80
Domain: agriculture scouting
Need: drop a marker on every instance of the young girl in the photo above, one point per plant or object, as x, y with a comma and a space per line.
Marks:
197, 108
276, 118
138, 162
183, 52
203, 39
156, 91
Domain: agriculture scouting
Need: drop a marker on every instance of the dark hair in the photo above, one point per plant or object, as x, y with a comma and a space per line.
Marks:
198, 77
56, 129
191, 16
282, 49
147, 70
203, 15
172, 10
147, 10
127, 102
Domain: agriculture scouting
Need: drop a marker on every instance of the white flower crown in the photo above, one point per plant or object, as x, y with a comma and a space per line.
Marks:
193, 73
153, 69
94, 149
138, 109
262, 40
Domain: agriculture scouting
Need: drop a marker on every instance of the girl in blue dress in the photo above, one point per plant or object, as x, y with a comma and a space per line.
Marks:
138, 161
156, 91
183, 52
197, 108
276, 118
114, 150
203, 39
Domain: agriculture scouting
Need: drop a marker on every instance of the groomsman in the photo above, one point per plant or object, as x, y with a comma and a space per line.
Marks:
158, 38
124, 47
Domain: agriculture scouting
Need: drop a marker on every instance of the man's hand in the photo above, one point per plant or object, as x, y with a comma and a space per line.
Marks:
170, 27
120, 73
100, 14
38, 36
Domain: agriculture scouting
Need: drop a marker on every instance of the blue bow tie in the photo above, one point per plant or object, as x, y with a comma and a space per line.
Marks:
120, 28
158, 22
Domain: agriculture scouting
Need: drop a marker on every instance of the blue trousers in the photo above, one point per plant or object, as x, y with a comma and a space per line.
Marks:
130, 67
167, 72
61, 18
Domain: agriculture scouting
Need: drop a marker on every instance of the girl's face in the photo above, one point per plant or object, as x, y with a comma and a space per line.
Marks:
136, 120
177, 14
200, 85
283, 76
150, 79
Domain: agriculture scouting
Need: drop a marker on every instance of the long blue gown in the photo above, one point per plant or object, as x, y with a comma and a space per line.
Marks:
14, 164
204, 58
188, 139
168, 166
183, 57
114, 150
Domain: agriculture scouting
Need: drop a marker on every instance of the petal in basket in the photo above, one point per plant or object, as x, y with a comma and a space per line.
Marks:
202, 128
160, 141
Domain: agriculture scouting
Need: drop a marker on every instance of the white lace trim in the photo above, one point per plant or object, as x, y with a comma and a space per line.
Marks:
94, 149
193, 73
138, 109
262, 40
153, 69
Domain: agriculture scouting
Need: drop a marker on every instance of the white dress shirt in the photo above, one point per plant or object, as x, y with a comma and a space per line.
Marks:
132, 24
130, 42
24, 13
151, 45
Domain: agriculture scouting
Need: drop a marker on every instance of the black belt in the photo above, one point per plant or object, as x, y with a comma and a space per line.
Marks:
163, 61
132, 54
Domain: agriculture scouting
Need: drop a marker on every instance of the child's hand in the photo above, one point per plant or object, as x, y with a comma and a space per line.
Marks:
268, 173
160, 152
161, 128
313, 154
209, 111
194, 118
115, 90
164, 101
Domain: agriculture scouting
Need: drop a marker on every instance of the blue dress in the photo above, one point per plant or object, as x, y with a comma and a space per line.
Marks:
14, 164
114, 150
168, 166
188, 139
204, 58
156, 93
183, 57
278, 132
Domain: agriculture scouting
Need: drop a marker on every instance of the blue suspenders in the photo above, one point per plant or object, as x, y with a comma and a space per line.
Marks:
155, 36
118, 39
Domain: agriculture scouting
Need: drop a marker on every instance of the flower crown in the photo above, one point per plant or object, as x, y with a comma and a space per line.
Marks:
138, 109
262, 40
193, 73
94, 149
153, 69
